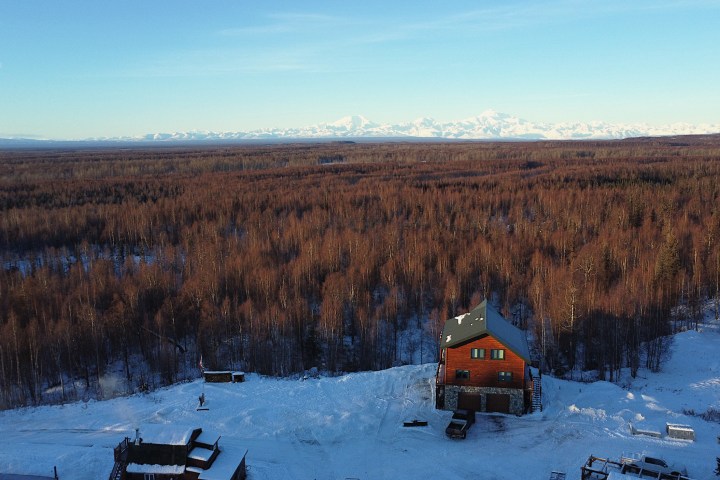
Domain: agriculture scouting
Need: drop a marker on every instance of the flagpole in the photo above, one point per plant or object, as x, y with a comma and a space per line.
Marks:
202, 375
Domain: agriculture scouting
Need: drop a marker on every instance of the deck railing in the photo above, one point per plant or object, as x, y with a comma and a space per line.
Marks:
121, 454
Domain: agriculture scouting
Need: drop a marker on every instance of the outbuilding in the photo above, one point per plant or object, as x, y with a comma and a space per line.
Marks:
162, 452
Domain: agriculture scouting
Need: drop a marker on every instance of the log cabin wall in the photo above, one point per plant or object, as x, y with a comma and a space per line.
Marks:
484, 372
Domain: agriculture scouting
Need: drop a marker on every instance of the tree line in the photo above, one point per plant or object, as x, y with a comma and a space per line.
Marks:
281, 258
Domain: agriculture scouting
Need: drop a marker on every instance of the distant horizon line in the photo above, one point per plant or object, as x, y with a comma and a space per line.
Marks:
488, 125
49, 144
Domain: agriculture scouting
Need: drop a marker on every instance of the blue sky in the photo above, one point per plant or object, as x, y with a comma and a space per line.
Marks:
78, 69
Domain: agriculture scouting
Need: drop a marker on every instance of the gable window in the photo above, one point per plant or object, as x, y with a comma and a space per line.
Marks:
462, 374
477, 353
498, 354
504, 376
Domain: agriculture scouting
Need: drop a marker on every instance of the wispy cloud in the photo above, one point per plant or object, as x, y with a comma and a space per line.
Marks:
304, 17
219, 62
268, 29
524, 14
284, 23
313, 42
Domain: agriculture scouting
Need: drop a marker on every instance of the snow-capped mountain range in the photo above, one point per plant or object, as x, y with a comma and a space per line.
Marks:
486, 126
489, 125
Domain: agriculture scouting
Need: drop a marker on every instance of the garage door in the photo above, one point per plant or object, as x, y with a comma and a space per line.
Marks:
470, 401
498, 402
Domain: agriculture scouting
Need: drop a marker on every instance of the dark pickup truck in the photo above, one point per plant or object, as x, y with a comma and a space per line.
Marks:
460, 423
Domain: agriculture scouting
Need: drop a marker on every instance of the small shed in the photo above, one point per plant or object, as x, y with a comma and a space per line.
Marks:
223, 376
218, 376
681, 432
646, 432
161, 452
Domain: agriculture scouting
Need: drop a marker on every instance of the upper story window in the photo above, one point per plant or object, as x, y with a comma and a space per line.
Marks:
462, 374
498, 354
477, 353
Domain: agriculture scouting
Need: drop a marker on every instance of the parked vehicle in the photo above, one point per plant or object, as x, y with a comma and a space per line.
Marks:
655, 466
460, 423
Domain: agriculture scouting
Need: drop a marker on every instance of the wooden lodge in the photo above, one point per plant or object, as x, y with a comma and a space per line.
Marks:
485, 365
161, 452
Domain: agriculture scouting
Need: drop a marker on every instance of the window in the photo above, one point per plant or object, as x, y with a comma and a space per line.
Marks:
504, 376
477, 353
462, 374
656, 461
149, 476
497, 354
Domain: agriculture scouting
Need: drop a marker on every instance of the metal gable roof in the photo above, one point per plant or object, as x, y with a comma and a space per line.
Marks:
484, 320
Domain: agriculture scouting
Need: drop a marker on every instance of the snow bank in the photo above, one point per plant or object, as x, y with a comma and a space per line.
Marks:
351, 426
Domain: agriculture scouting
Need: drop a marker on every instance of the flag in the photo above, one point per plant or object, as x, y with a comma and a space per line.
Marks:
202, 368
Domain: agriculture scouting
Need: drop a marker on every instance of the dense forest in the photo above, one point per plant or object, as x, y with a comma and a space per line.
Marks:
279, 258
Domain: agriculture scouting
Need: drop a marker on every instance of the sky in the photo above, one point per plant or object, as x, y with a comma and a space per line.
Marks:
86, 69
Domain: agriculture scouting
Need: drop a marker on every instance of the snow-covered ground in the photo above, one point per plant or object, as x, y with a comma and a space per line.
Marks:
351, 426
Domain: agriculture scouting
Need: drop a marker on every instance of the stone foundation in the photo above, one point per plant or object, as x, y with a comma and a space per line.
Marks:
517, 400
